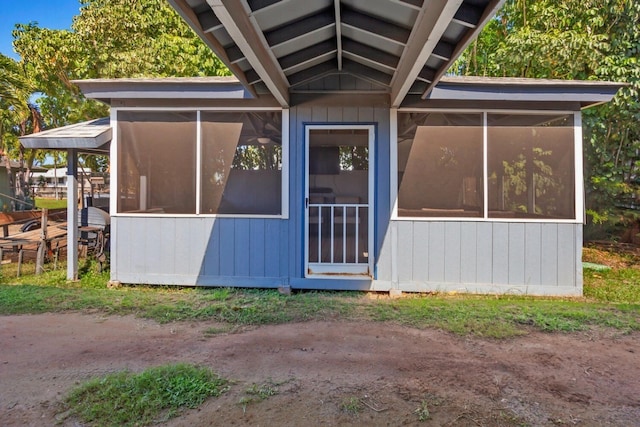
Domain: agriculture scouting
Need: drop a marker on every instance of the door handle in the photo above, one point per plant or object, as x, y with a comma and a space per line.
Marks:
306, 203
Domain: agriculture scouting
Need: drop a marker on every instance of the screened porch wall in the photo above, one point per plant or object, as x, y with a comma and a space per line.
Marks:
203, 251
482, 257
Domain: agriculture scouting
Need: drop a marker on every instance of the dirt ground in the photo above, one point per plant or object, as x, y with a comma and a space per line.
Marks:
330, 373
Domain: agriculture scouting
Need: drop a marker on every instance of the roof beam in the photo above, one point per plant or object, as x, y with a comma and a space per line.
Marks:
367, 73
375, 26
312, 73
245, 33
306, 55
468, 15
184, 10
336, 5
427, 32
489, 12
384, 59
300, 28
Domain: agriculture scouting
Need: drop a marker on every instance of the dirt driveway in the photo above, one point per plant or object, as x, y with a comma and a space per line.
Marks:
383, 372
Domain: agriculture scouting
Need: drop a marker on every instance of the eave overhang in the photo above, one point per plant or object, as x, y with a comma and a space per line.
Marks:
201, 88
276, 46
93, 136
583, 93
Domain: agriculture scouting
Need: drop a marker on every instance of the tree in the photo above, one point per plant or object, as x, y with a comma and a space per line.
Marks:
17, 117
582, 40
108, 39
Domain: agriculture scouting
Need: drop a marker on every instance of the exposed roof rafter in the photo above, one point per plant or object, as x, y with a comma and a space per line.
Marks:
299, 28
189, 16
431, 24
321, 49
397, 46
375, 26
247, 36
489, 11
338, 19
208, 21
468, 15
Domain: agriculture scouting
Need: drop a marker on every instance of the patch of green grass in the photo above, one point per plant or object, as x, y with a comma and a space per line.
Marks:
505, 316
217, 330
422, 412
42, 203
616, 285
258, 392
263, 391
152, 396
352, 405
612, 300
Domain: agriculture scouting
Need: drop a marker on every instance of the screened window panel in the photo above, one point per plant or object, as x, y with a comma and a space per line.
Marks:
440, 165
241, 163
157, 162
531, 169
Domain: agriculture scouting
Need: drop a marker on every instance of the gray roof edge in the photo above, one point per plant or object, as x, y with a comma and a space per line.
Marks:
525, 82
587, 92
164, 80
91, 134
165, 87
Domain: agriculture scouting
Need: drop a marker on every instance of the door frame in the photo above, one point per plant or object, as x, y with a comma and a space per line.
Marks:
339, 270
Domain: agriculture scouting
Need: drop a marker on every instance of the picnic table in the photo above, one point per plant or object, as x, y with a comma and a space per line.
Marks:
35, 240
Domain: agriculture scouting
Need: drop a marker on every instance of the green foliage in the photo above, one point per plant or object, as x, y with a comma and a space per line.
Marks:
613, 285
47, 203
352, 405
582, 40
18, 116
258, 392
154, 395
108, 39
613, 302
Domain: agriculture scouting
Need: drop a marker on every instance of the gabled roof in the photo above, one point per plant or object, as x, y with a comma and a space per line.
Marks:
276, 46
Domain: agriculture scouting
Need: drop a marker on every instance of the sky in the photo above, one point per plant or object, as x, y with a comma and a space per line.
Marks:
54, 14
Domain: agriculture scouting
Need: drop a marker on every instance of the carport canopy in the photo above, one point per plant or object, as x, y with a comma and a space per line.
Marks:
93, 137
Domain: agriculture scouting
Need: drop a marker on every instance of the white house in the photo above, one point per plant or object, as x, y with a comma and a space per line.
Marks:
53, 182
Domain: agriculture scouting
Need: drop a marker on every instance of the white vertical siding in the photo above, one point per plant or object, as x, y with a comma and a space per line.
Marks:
200, 251
501, 257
